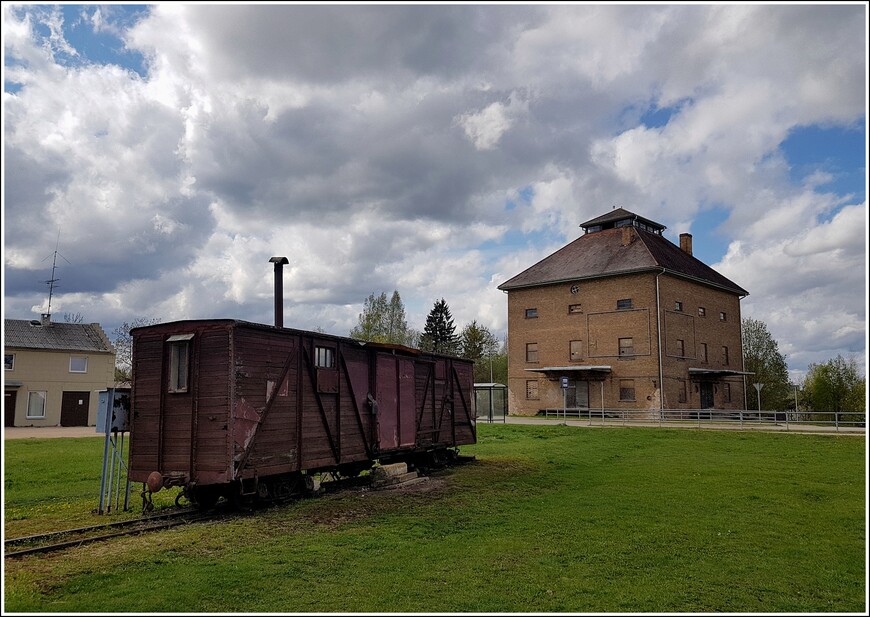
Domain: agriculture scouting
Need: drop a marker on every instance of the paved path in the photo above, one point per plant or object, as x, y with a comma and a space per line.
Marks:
43, 432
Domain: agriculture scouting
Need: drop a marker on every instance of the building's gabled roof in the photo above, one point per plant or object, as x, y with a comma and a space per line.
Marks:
606, 253
23, 334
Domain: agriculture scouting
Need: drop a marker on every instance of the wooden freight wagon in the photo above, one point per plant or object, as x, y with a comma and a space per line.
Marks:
236, 409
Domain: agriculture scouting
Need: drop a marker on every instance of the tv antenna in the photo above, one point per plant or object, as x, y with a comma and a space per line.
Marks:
53, 280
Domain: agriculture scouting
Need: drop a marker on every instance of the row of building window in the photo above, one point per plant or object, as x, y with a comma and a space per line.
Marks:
626, 350
77, 364
627, 391
624, 304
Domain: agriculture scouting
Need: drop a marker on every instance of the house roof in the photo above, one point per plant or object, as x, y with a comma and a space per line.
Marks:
615, 251
23, 334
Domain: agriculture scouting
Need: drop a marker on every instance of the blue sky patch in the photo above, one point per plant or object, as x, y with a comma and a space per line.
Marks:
839, 151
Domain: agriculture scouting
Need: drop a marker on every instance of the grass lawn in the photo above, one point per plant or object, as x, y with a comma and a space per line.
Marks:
548, 519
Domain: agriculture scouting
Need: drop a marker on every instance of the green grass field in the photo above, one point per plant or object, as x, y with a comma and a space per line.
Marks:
548, 519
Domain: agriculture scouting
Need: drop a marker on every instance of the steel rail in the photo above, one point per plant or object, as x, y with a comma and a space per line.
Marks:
154, 523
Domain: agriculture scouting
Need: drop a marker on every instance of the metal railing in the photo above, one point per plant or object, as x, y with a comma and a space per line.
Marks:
847, 421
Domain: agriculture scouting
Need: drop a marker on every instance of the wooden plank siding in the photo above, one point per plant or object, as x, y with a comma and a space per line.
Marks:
258, 405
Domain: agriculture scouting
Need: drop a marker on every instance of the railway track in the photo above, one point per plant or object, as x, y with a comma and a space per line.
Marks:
70, 538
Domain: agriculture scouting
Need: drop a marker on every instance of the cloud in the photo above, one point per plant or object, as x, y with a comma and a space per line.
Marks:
437, 150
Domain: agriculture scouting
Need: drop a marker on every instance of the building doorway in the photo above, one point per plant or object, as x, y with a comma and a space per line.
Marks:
577, 395
9, 399
706, 394
74, 408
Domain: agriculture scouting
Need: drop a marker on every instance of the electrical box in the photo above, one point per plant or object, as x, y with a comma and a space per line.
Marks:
113, 412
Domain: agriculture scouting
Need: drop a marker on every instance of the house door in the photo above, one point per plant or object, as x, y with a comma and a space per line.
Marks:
9, 398
706, 394
74, 408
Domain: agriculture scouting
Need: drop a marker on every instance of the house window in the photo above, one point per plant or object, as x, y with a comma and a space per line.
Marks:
179, 361
626, 347
78, 364
575, 351
704, 353
8, 361
678, 306
532, 389
725, 356
531, 313
531, 352
36, 404
682, 397
626, 389
575, 308
702, 312
723, 316
625, 303
726, 392
324, 357
681, 348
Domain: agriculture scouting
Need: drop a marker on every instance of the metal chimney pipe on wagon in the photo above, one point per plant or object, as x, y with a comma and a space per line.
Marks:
279, 289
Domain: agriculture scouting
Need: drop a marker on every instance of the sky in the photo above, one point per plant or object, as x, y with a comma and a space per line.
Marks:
161, 154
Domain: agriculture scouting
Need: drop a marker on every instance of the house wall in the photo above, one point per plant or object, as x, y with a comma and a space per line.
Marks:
49, 372
597, 326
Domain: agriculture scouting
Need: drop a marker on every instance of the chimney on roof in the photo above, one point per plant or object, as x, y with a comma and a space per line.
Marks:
686, 243
279, 262
45, 319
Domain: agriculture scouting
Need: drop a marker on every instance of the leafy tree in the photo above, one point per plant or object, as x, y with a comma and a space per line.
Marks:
761, 356
124, 348
478, 344
835, 386
439, 334
384, 321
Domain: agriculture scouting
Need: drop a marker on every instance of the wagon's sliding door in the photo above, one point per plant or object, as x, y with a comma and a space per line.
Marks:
396, 402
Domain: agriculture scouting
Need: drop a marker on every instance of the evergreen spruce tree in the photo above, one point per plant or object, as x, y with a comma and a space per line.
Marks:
439, 335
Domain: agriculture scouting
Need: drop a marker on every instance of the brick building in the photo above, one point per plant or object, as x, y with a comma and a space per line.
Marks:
626, 320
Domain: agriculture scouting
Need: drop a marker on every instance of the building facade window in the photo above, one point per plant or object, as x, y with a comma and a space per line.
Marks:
531, 352
678, 306
626, 347
36, 404
682, 395
531, 313
324, 357
575, 352
723, 316
532, 389
702, 312
573, 309
704, 353
726, 392
9, 362
624, 303
724, 355
626, 390
681, 348
78, 364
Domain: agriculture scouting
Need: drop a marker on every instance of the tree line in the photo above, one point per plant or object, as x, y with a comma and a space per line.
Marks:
383, 321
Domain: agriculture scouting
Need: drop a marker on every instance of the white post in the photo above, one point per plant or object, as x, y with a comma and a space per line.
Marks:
758, 387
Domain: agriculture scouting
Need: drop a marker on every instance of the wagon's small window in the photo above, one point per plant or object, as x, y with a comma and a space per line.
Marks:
324, 357
179, 361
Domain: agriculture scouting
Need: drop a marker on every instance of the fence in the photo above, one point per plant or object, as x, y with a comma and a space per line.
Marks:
851, 421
